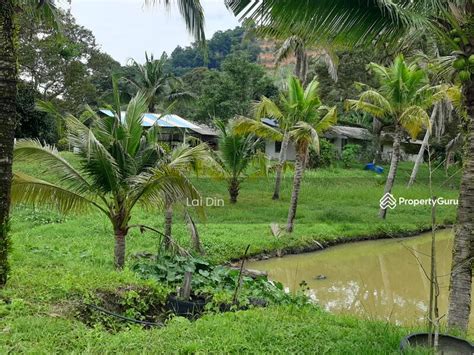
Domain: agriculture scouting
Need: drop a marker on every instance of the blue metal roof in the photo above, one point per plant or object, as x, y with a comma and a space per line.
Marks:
165, 121
270, 122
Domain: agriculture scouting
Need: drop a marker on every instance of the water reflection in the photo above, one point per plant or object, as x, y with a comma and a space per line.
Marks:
377, 279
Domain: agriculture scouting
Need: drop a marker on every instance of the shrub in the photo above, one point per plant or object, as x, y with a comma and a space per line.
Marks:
350, 154
63, 144
216, 281
326, 155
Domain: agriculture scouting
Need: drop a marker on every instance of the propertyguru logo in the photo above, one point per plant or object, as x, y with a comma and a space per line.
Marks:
389, 201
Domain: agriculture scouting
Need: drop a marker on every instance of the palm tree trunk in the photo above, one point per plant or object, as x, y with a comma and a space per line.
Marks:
8, 81
461, 268
299, 170
421, 153
393, 167
119, 251
304, 68
377, 131
234, 187
299, 63
168, 224
281, 163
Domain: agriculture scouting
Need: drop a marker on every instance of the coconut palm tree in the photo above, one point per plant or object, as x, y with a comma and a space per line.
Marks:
122, 165
303, 118
159, 85
42, 10
238, 158
401, 101
185, 159
294, 45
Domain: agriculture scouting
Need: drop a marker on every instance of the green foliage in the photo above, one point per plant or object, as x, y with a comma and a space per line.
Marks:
141, 302
152, 78
221, 45
54, 263
226, 92
403, 98
63, 144
326, 156
217, 282
350, 154
65, 66
238, 158
352, 68
30, 122
121, 165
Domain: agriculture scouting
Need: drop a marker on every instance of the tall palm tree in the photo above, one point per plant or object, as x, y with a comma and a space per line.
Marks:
238, 158
379, 22
303, 118
121, 165
43, 10
294, 45
8, 83
159, 85
401, 100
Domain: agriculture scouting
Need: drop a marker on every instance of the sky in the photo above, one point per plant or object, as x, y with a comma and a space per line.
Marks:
126, 28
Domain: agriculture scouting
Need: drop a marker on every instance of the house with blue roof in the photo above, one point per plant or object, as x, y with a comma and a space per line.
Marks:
174, 129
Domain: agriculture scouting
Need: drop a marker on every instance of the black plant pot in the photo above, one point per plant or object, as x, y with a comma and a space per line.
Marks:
186, 308
447, 344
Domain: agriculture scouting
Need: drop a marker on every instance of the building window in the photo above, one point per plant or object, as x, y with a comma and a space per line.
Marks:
277, 147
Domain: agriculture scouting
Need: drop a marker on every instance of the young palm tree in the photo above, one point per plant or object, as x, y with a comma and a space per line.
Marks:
378, 22
302, 117
43, 10
238, 158
121, 165
185, 159
402, 100
158, 85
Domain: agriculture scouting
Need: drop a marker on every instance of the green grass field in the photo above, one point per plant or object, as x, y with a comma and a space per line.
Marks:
55, 259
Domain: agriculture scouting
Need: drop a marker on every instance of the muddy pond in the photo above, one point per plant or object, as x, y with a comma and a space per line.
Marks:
372, 279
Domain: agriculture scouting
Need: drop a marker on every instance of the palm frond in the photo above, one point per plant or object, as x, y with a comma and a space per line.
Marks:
136, 108
49, 108
371, 102
33, 191
99, 164
266, 108
336, 21
30, 150
244, 125
328, 120
291, 45
164, 183
304, 134
413, 119
197, 158
192, 13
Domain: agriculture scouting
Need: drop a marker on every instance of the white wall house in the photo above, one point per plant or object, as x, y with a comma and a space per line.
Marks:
273, 148
340, 136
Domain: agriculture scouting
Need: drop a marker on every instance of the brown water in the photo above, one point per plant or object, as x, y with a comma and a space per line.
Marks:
373, 279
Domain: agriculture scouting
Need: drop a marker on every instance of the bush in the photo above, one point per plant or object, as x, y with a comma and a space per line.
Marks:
326, 155
63, 144
350, 154
216, 281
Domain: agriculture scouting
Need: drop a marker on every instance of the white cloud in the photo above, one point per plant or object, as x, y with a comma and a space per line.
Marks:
126, 28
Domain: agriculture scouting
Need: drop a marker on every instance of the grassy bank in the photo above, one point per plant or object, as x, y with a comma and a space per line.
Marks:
56, 258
